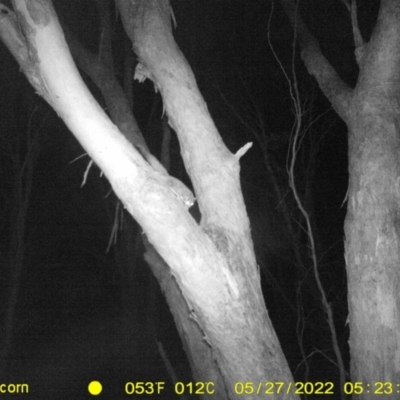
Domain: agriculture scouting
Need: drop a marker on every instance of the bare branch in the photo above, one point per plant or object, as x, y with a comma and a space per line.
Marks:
337, 92
358, 40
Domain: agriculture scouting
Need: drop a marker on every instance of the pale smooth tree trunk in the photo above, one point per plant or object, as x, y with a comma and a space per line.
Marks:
213, 265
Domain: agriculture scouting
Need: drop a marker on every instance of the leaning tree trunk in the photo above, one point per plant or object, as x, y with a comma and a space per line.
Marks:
372, 113
213, 264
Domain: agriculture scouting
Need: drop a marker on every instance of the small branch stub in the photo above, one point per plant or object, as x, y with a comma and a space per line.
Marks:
243, 150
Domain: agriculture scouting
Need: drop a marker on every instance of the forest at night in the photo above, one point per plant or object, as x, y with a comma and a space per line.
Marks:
78, 300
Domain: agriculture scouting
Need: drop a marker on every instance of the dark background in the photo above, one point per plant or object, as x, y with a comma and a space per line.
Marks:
72, 323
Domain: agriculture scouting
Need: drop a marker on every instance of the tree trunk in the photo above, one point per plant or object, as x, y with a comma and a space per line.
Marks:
213, 264
371, 111
373, 235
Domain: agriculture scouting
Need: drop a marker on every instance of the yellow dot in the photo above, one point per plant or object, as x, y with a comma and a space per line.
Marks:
95, 388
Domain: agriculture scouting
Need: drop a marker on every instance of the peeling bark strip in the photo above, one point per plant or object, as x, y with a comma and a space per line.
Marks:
214, 265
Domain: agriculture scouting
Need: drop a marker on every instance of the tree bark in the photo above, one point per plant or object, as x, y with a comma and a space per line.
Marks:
371, 111
213, 264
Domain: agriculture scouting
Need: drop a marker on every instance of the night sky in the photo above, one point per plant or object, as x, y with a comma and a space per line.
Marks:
75, 315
